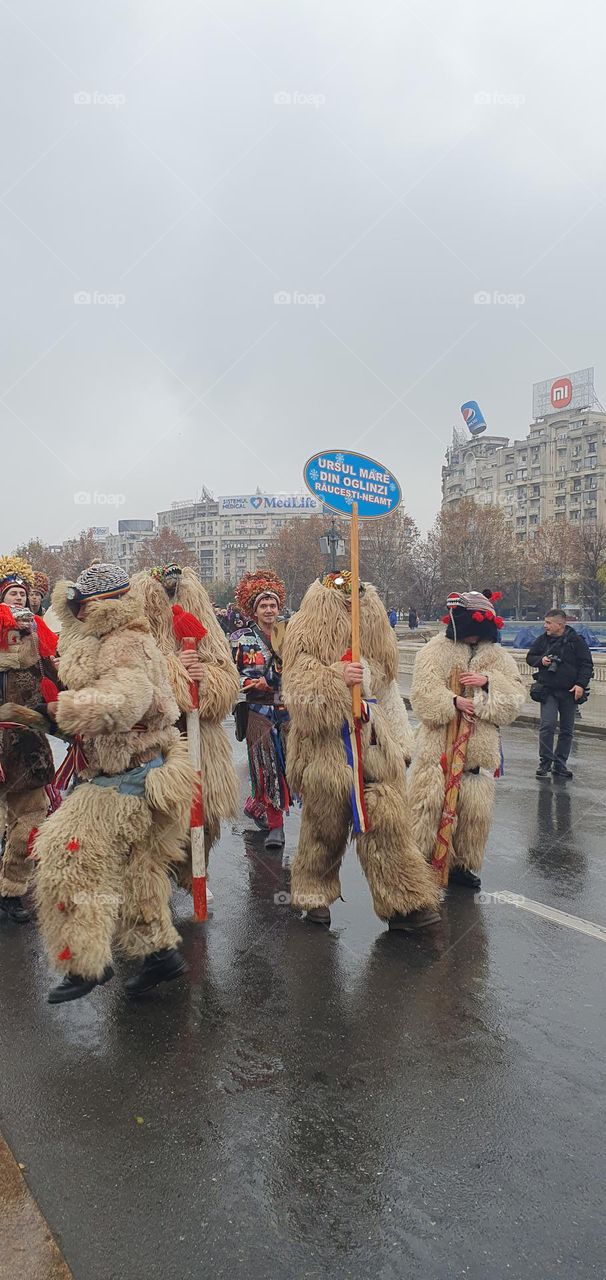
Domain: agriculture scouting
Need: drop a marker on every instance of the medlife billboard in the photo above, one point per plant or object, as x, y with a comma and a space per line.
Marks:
570, 391
292, 504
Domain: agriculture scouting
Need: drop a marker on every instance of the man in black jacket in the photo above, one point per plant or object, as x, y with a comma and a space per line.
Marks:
564, 670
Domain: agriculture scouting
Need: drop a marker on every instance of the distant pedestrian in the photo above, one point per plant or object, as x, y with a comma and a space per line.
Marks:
564, 669
393, 618
413, 619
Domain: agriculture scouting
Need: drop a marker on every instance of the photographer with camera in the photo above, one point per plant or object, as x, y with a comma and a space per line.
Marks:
564, 669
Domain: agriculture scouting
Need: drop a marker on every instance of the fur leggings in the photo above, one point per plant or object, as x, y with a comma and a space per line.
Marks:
474, 813
398, 877
102, 880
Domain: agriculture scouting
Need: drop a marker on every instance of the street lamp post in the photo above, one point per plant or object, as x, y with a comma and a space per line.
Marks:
331, 544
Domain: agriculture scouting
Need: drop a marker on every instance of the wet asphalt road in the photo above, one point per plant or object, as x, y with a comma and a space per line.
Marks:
348, 1102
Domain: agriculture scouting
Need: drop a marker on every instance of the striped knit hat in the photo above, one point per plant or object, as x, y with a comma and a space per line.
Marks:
99, 582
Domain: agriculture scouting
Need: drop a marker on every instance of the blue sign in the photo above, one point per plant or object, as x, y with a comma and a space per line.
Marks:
339, 479
473, 417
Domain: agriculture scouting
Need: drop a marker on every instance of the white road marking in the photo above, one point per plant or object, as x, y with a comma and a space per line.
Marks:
518, 900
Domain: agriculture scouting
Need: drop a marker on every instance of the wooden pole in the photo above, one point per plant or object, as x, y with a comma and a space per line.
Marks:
356, 694
198, 853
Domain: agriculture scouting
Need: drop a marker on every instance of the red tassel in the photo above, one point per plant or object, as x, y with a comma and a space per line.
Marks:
444, 763
31, 840
185, 625
49, 690
499, 623
60, 906
446, 619
65, 954
477, 616
72, 846
47, 640
346, 657
497, 595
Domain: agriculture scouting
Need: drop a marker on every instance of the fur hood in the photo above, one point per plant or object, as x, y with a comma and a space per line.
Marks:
322, 628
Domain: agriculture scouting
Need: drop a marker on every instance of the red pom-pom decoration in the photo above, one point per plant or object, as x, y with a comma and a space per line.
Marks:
49, 690
477, 616
60, 906
497, 595
72, 846
186, 626
499, 623
346, 657
65, 954
446, 619
47, 639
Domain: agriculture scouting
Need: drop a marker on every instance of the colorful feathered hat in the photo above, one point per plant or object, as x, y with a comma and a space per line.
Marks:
472, 613
254, 586
340, 582
15, 572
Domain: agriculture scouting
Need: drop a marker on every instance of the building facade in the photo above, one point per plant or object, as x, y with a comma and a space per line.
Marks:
229, 535
123, 547
557, 472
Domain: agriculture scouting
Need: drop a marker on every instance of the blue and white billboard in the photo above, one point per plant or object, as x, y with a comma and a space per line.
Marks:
339, 479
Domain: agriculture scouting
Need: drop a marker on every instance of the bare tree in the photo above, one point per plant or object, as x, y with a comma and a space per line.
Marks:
555, 550
296, 556
163, 548
386, 555
591, 564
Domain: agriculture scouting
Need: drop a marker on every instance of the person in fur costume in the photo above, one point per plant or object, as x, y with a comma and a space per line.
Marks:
260, 598
326, 756
26, 761
104, 855
175, 603
493, 695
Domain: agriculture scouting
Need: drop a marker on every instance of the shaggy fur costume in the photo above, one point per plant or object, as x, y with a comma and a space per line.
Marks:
26, 761
104, 856
432, 701
218, 690
319, 702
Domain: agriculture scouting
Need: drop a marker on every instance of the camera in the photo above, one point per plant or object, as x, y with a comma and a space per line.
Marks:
554, 662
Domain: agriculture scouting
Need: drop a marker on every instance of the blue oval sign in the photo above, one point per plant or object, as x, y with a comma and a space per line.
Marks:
339, 479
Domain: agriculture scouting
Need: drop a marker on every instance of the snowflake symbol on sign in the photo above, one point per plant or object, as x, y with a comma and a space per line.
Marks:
340, 458
349, 498
314, 474
392, 486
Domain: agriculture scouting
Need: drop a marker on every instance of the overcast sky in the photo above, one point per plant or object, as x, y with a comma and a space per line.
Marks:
380, 163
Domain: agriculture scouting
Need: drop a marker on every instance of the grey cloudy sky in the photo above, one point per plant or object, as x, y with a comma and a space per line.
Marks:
183, 162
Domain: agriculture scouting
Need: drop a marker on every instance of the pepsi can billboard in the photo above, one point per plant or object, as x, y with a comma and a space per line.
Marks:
568, 391
473, 417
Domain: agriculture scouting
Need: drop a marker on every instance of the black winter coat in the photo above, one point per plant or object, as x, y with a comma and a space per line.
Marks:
576, 666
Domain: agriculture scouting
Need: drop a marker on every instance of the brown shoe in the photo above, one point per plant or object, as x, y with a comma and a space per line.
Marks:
318, 915
414, 920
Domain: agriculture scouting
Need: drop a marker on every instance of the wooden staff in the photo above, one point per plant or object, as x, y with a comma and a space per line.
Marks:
457, 741
356, 693
198, 853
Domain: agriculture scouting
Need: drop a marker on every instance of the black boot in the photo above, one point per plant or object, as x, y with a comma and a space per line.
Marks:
160, 966
275, 838
543, 770
73, 987
463, 876
319, 915
14, 909
414, 920
562, 771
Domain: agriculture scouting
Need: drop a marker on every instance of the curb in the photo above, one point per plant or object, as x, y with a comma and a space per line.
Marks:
532, 722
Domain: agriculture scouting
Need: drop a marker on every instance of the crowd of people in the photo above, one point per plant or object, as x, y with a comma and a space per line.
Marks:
101, 841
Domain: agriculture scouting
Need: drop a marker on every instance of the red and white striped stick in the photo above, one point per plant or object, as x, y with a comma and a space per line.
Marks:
198, 855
